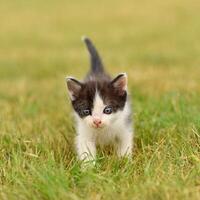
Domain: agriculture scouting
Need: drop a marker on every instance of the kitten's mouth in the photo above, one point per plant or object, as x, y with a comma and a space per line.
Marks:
97, 126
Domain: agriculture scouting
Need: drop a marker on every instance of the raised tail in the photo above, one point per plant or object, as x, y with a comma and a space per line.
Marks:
95, 60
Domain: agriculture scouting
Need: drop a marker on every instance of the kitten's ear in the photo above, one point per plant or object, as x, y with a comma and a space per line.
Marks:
120, 83
73, 87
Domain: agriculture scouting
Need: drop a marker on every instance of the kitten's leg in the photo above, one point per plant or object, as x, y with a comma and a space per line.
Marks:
125, 145
86, 149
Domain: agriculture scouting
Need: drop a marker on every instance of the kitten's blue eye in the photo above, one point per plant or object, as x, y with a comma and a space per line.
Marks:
107, 110
86, 112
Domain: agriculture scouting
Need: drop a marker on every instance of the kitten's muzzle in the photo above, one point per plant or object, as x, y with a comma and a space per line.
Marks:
97, 122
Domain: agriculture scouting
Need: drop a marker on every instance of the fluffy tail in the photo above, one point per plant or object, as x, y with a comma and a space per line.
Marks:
96, 63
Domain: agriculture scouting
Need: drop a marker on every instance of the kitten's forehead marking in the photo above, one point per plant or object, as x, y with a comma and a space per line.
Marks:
98, 105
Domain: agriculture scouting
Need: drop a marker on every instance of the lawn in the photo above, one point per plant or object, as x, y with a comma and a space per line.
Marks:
156, 42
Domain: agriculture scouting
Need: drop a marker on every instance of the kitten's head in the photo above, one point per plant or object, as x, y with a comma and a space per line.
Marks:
98, 102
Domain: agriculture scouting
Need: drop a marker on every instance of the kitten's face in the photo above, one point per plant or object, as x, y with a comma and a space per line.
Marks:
98, 103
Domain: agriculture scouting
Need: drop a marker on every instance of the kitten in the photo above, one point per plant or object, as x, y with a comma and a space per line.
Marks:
102, 110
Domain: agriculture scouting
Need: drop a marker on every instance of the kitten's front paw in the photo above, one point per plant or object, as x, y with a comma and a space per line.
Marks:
88, 164
125, 153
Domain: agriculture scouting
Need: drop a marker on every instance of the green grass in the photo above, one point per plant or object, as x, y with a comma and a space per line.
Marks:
155, 42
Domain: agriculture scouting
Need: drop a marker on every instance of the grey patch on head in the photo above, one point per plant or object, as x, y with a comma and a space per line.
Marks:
110, 95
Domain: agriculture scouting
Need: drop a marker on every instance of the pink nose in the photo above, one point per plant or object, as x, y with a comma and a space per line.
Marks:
97, 122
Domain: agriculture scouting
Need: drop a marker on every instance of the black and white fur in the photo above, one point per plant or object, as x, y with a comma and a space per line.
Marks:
102, 110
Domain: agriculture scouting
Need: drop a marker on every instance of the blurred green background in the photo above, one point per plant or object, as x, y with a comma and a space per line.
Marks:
156, 42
